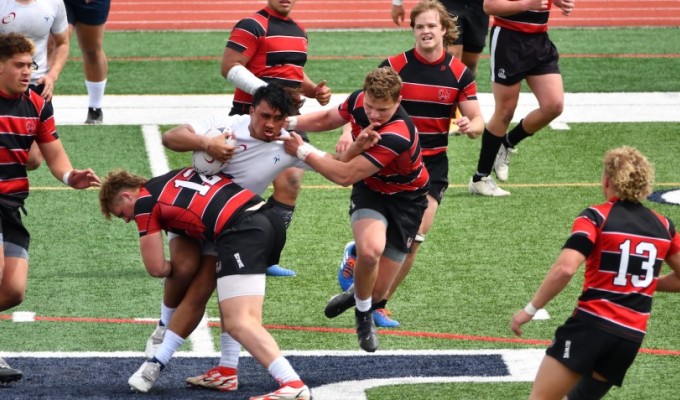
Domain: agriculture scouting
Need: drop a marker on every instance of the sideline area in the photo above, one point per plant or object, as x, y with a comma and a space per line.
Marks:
173, 110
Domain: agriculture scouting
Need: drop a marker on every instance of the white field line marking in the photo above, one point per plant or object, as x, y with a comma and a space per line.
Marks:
201, 338
559, 126
154, 149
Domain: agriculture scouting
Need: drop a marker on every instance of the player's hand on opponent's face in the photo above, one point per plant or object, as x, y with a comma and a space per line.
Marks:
83, 179
322, 93
398, 14
218, 149
291, 143
520, 318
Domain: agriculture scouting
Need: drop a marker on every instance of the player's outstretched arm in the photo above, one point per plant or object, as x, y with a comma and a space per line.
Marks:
60, 166
555, 281
342, 173
317, 121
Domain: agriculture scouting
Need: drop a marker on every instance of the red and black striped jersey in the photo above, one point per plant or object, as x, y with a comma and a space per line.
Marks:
625, 244
430, 94
187, 202
525, 21
397, 153
23, 119
276, 47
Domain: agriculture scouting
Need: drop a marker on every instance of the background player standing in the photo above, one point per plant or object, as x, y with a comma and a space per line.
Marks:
25, 117
267, 47
623, 244
520, 50
88, 19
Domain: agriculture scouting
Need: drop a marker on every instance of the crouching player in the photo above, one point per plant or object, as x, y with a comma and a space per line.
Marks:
249, 237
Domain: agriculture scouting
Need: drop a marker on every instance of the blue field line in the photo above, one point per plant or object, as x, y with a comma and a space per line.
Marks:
331, 375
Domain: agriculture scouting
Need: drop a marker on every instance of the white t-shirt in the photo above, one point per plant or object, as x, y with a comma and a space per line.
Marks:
256, 163
36, 20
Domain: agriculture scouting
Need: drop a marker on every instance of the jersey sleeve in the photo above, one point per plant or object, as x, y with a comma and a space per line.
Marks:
47, 130
146, 214
245, 37
675, 238
468, 87
345, 109
203, 125
584, 231
60, 21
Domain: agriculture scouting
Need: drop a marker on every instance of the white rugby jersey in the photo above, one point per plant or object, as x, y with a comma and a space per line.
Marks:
255, 163
36, 20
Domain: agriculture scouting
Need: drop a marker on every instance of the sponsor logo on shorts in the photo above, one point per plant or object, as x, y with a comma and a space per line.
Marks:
567, 348
501, 73
237, 257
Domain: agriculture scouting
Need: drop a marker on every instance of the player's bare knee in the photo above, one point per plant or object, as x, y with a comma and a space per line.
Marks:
506, 117
92, 55
369, 256
13, 298
236, 327
184, 268
553, 110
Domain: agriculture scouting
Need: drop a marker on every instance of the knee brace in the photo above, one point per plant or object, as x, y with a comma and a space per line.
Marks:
282, 210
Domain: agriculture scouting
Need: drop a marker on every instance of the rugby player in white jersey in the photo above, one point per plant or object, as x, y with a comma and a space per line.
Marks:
256, 159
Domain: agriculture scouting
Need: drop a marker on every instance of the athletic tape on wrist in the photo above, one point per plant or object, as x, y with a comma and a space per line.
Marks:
66, 177
530, 309
306, 149
397, 2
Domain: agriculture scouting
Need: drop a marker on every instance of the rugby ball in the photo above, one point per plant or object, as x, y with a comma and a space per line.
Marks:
202, 162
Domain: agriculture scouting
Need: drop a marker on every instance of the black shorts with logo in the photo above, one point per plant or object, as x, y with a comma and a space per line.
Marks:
252, 244
438, 167
403, 216
516, 55
584, 348
473, 23
96, 12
